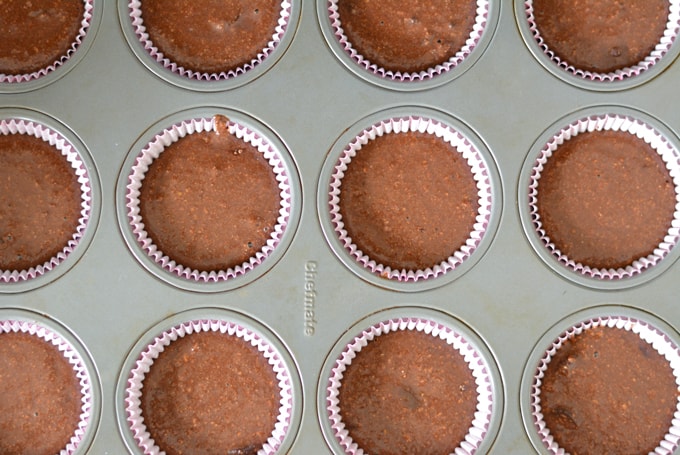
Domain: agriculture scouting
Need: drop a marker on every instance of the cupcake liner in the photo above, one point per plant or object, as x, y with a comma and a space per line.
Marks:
479, 171
135, 14
664, 45
657, 339
84, 27
470, 44
613, 122
153, 150
146, 358
20, 126
87, 398
478, 367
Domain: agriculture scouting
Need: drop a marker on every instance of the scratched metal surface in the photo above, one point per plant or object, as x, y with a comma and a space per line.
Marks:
509, 298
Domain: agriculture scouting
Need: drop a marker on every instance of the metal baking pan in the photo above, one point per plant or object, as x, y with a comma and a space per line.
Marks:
507, 298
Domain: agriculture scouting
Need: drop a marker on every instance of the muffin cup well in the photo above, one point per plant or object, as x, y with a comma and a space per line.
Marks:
614, 122
651, 335
480, 173
85, 25
619, 79
80, 369
71, 154
146, 358
481, 372
134, 13
481, 23
154, 148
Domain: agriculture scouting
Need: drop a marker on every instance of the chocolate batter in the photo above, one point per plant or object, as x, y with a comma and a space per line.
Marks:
211, 36
210, 393
35, 34
608, 391
41, 400
40, 202
601, 36
408, 200
407, 36
606, 199
408, 392
210, 201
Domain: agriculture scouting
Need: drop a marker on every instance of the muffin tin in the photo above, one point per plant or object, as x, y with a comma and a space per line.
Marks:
506, 301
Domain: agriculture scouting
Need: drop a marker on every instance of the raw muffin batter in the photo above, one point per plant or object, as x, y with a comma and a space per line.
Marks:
407, 36
210, 201
41, 400
608, 391
601, 35
408, 200
40, 202
605, 199
35, 34
408, 392
210, 393
211, 36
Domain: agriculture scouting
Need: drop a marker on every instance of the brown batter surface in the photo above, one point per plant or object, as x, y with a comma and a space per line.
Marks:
601, 36
211, 36
408, 200
36, 33
210, 393
408, 392
210, 201
608, 391
40, 202
407, 36
606, 199
41, 400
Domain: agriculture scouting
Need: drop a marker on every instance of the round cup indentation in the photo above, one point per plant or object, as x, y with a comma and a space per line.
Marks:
600, 118
138, 39
68, 144
15, 320
227, 322
152, 143
20, 83
663, 55
658, 334
487, 14
454, 134
486, 422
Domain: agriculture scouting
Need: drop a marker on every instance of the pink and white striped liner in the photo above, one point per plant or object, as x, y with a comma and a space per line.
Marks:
480, 371
667, 40
80, 371
657, 339
84, 27
20, 126
134, 391
470, 44
135, 11
610, 122
153, 150
463, 146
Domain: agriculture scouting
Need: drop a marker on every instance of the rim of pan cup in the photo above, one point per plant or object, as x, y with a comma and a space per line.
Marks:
60, 131
46, 76
584, 276
607, 314
661, 58
209, 317
225, 281
490, 172
439, 75
209, 82
407, 317
45, 326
